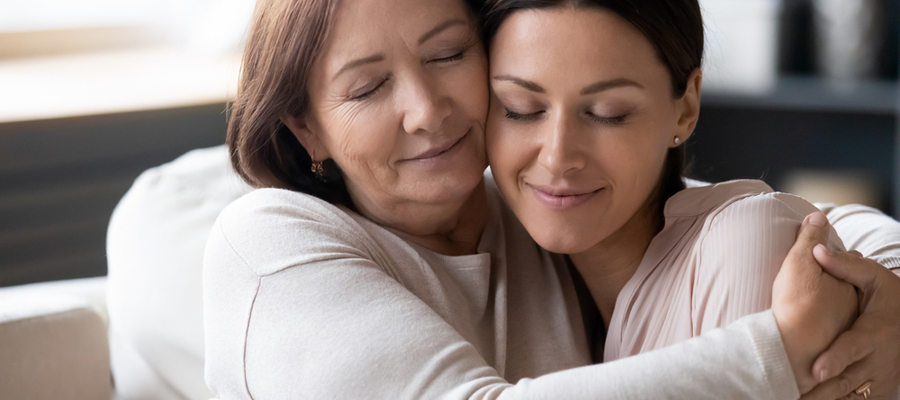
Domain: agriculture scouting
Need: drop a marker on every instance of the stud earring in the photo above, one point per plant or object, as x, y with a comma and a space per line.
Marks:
677, 140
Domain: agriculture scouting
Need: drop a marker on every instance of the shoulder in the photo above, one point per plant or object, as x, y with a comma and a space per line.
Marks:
761, 212
746, 203
263, 206
751, 224
272, 229
747, 222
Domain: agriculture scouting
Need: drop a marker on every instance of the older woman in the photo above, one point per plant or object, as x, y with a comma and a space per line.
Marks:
376, 262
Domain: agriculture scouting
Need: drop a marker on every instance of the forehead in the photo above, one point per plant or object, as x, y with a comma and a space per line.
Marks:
574, 42
372, 26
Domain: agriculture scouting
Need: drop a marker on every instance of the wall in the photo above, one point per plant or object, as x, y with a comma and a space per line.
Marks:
60, 180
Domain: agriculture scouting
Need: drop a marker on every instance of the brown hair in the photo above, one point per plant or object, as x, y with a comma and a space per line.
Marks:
286, 38
673, 27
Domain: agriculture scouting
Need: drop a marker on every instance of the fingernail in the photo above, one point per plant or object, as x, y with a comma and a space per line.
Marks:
817, 219
823, 375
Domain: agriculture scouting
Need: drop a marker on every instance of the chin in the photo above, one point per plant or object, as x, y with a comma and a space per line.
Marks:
457, 184
558, 240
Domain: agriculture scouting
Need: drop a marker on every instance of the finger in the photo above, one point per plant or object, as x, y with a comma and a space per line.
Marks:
841, 385
855, 253
858, 271
813, 229
848, 348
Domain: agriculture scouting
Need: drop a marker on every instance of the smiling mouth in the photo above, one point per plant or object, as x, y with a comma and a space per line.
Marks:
438, 151
561, 199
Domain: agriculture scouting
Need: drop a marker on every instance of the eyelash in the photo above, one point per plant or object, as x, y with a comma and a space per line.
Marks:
521, 117
609, 120
455, 57
370, 93
603, 120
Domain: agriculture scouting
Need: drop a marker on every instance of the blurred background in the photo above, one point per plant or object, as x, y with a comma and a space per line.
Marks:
800, 93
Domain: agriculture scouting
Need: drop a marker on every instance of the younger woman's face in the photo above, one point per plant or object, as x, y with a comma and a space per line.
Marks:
582, 115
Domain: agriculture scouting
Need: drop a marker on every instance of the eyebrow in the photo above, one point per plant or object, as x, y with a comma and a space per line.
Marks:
590, 89
424, 38
606, 85
440, 28
362, 61
534, 87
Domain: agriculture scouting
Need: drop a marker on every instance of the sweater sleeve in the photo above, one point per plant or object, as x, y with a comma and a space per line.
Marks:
868, 231
332, 323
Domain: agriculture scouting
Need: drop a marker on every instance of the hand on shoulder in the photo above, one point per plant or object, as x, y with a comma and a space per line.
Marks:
811, 308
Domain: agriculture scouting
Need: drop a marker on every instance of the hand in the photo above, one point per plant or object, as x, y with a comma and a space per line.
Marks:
811, 307
870, 350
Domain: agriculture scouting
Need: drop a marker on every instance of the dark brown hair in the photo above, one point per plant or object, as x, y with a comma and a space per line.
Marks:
673, 27
285, 40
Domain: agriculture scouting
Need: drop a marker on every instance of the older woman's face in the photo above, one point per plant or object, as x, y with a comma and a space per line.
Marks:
581, 119
399, 99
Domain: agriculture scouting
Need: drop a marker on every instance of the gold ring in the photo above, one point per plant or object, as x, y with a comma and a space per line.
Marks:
865, 390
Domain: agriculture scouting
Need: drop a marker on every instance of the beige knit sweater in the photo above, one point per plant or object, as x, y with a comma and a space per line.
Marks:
307, 300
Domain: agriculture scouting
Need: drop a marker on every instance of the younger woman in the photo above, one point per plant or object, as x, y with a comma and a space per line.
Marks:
592, 102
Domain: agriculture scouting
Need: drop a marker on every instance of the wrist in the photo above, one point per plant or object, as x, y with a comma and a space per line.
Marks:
797, 346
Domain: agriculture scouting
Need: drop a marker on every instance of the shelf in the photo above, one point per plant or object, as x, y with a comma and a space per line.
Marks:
815, 94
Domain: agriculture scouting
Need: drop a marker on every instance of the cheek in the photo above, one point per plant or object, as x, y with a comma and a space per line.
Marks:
502, 146
636, 160
469, 87
357, 139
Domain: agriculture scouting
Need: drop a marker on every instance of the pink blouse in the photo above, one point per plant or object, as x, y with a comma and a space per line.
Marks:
714, 262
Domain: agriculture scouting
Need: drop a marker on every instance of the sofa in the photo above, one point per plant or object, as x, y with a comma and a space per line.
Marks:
138, 332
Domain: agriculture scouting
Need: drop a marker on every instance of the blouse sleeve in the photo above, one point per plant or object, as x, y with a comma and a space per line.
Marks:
332, 324
740, 254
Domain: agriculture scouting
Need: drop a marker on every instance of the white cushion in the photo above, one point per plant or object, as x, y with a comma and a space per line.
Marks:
89, 290
155, 245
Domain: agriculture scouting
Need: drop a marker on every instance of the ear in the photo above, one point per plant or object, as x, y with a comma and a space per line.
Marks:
688, 106
307, 133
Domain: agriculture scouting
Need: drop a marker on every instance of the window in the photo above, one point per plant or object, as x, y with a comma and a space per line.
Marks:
62, 58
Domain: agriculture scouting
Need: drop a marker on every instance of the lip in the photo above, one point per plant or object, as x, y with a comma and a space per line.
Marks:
439, 152
561, 198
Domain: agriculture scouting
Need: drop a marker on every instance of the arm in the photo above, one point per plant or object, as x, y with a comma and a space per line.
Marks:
867, 230
332, 323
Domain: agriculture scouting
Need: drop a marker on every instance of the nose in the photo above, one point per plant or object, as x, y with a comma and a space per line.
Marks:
426, 106
561, 151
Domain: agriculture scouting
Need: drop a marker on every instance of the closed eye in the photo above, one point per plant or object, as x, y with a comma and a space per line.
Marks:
618, 120
368, 93
522, 117
455, 57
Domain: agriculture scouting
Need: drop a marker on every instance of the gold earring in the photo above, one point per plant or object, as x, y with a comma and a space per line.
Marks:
317, 169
